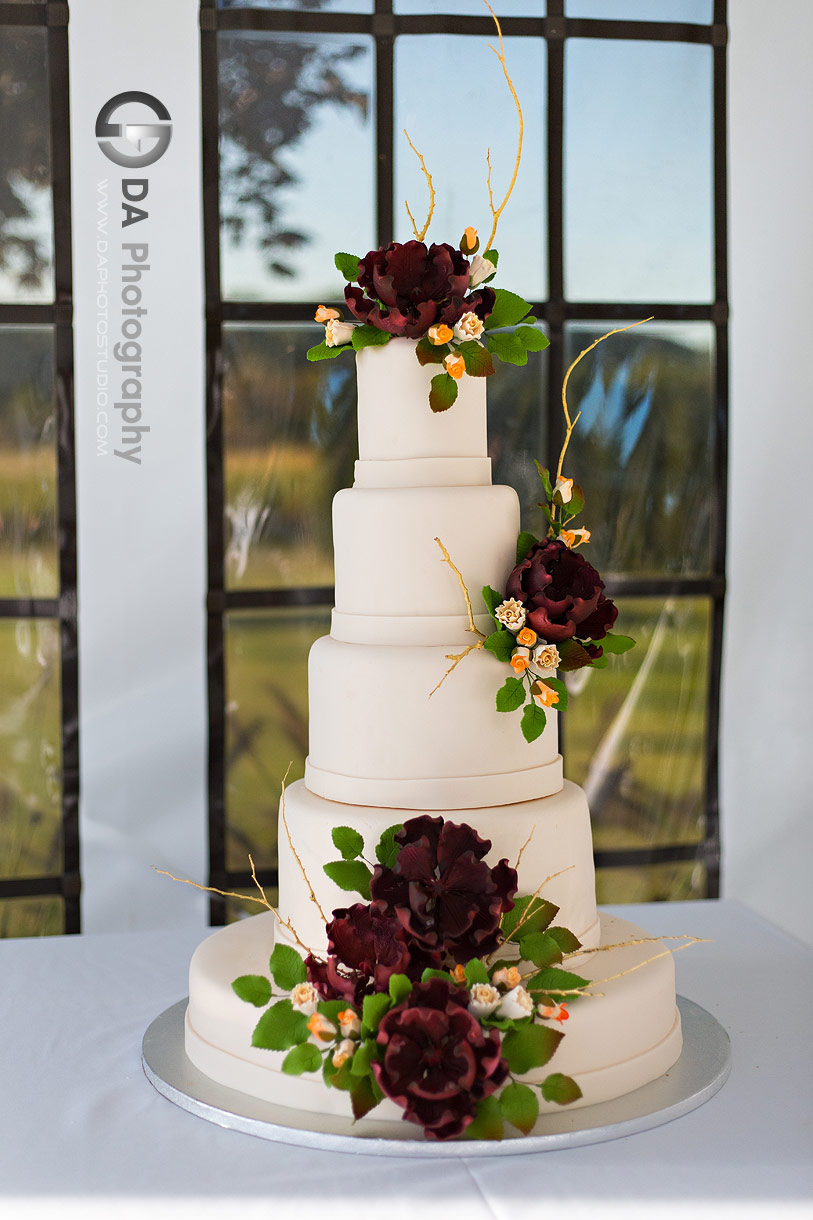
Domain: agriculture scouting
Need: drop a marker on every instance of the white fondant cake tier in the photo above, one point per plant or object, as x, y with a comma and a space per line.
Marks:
561, 840
377, 738
395, 421
424, 472
613, 1043
388, 563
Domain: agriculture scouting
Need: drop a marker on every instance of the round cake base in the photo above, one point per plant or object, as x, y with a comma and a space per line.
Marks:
700, 1071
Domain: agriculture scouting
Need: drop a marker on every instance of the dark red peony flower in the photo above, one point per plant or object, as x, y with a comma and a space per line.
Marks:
364, 949
437, 1060
440, 890
405, 288
562, 594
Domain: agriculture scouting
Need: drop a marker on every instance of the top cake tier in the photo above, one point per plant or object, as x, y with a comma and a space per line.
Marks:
402, 442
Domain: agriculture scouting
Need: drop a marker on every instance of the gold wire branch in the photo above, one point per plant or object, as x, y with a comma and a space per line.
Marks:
420, 236
496, 213
690, 941
457, 657
641, 940
571, 424
524, 845
284, 821
262, 900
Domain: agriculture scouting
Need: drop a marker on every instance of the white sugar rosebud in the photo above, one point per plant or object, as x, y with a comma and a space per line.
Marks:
546, 656
564, 487
511, 614
337, 333
480, 268
468, 327
344, 1051
349, 1024
506, 976
515, 1004
483, 999
304, 998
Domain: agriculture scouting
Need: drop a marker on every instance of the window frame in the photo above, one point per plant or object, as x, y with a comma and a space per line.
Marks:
383, 25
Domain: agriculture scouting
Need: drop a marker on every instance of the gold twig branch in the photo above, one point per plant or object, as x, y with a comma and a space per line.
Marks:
642, 940
457, 657
571, 424
420, 236
690, 941
294, 852
524, 845
496, 213
263, 901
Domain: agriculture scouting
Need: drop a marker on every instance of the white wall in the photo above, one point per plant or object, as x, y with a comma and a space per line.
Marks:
767, 735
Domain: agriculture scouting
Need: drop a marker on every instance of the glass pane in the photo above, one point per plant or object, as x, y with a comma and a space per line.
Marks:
26, 226
30, 756
638, 171
267, 721
41, 916
290, 444
644, 447
296, 162
464, 8
635, 733
695, 11
651, 883
310, 6
517, 428
28, 474
454, 149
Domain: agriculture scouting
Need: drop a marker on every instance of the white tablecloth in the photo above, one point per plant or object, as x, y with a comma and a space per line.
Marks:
83, 1133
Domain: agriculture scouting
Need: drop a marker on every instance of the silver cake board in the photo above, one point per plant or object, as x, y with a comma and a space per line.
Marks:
702, 1069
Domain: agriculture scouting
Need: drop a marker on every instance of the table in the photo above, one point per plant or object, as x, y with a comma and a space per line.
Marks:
82, 1133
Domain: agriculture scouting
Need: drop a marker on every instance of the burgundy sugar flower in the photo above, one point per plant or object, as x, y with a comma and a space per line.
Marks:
562, 594
364, 949
437, 1060
405, 288
440, 890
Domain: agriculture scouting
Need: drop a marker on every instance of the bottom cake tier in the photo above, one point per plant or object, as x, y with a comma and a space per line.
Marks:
615, 1042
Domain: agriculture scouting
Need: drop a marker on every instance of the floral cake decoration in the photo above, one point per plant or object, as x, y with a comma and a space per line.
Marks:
436, 294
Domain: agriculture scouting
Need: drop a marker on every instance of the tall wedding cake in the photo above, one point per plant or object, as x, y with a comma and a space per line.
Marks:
391, 742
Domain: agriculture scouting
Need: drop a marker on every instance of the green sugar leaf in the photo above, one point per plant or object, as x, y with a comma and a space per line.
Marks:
429, 352
253, 988
362, 1097
533, 339
303, 1058
348, 841
476, 972
553, 979
347, 265
600, 662
544, 475
508, 310
511, 695
560, 1089
369, 336
287, 967
520, 1107
331, 1009
338, 1078
524, 543
323, 352
488, 1122
539, 948
492, 599
616, 643
429, 973
386, 851
443, 392
573, 656
533, 721
529, 1046
363, 1057
351, 875
576, 502
373, 1009
400, 988
476, 358
502, 643
508, 348
535, 915
280, 1027
561, 690
565, 939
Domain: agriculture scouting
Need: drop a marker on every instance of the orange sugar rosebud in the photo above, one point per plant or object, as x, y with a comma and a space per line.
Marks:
455, 366
519, 663
526, 637
544, 694
439, 334
459, 974
469, 242
324, 314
